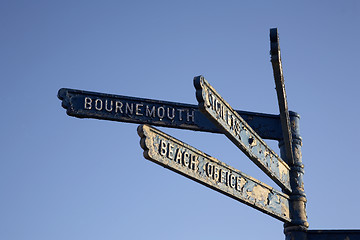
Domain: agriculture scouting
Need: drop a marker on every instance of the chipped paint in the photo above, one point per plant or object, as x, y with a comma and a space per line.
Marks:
240, 133
177, 156
84, 104
298, 196
281, 94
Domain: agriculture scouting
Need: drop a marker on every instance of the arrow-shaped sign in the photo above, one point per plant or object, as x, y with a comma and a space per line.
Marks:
177, 156
84, 104
240, 133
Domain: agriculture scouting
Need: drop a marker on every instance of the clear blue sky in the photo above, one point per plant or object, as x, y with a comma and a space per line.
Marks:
68, 178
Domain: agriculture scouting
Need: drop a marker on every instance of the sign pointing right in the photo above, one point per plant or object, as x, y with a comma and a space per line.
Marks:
192, 163
240, 133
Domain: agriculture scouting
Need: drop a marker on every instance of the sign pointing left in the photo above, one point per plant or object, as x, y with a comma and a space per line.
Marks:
85, 104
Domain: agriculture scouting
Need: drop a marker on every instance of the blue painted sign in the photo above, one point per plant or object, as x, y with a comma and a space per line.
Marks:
179, 157
240, 133
84, 104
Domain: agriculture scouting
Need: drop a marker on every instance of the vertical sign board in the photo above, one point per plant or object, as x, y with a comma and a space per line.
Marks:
84, 104
281, 93
240, 133
179, 157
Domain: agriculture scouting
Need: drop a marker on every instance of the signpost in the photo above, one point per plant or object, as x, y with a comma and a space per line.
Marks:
244, 129
240, 133
84, 104
179, 157
281, 93
290, 148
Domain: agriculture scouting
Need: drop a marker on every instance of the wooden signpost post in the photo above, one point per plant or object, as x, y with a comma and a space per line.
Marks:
245, 129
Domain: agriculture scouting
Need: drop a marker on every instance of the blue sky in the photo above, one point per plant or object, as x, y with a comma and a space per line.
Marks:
68, 178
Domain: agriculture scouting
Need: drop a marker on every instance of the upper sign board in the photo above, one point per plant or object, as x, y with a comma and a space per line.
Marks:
84, 104
177, 156
240, 133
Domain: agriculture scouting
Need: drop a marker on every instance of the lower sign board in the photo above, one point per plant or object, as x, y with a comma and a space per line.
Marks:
240, 133
84, 104
179, 157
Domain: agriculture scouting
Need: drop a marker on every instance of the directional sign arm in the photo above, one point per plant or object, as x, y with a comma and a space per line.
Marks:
85, 104
281, 94
177, 156
240, 133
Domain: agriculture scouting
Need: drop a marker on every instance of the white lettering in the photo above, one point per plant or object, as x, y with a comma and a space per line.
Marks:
211, 100
217, 107
188, 116
173, 113
138, 109
118, 106
180, 113
228, 119
88, 102
97, 105
237, 128
129, 107
162, 114
150, 113
111, 105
